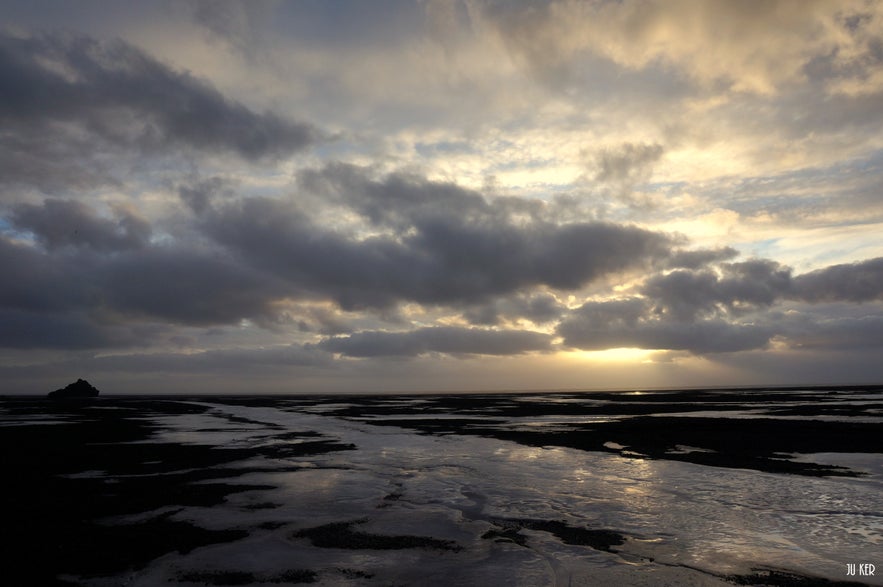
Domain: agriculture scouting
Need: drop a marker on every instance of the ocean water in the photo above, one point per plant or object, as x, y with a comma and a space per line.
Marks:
676, 488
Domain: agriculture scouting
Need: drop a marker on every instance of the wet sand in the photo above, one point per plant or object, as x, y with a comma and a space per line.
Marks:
94, 490
57, 514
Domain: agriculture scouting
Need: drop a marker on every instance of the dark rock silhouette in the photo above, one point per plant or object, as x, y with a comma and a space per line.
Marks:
79, 389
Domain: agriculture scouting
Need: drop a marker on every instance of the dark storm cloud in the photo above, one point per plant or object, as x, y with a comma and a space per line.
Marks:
101, 276
117, 94
52, 160
856, 282
57, 301
839, 333
25, 329
398, 200
709, 312
198, 195
323, 321
181, 286
539, 309
632, 323
37, 282
439, 243
433, 243
759, 283
750, 284
440, 339
93, 263
59, 223
84, 298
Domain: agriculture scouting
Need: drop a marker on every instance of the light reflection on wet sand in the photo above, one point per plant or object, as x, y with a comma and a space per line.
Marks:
485, 490
676, 515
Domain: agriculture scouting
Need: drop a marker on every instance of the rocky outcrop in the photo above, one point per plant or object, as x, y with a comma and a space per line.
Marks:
77, 390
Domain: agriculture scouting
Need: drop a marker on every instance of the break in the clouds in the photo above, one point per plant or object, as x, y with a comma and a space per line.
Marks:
301, 196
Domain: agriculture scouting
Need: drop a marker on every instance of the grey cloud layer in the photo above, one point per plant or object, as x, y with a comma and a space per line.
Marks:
59, 223
761, 44
451, 340
858, 282
92, 299
431, 243
707, 312
67, 97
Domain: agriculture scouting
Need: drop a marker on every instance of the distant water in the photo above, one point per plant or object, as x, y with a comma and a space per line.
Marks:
764, 487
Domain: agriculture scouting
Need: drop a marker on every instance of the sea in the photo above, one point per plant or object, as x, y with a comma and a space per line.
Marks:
775, 486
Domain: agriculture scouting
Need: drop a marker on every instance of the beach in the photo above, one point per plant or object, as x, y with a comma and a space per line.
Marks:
677, 487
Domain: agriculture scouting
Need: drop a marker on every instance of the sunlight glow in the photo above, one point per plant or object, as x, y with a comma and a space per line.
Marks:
617, 355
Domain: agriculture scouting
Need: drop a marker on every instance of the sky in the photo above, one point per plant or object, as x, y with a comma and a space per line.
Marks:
459, 195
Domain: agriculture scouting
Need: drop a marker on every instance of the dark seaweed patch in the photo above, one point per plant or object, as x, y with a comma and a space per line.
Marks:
776, 578
242, 578
510, 531
511, 534
355, 574
342, 535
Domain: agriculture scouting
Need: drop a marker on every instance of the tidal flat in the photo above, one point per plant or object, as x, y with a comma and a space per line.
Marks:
679, 487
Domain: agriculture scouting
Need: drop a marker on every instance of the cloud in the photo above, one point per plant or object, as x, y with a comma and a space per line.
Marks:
631, 323
620, 170
91, 298
409, 240
441, 245
759, 283
150, 203
95, 264
68, 89
236, 23
539, 308
427, 242
856, 282
709, 312
834, 333
438, 339
686, 294
37, 282
59, 223
27, 329
52, 159
181, 286
627, 164
230, 360
754, 47
198, 195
